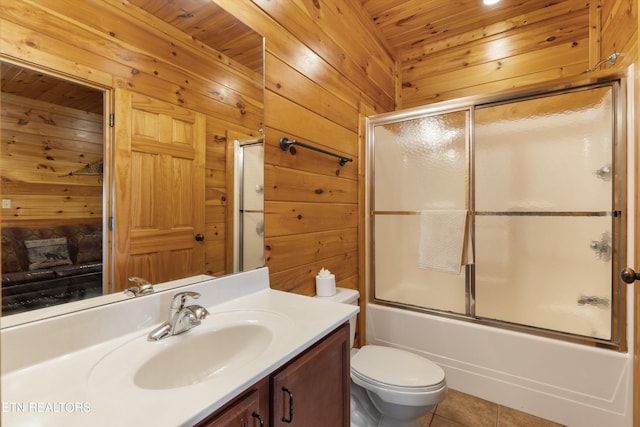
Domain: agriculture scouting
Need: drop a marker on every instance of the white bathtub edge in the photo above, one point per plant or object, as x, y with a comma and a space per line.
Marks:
583, 387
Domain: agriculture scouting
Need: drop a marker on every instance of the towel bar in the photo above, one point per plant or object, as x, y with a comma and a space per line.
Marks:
285, 143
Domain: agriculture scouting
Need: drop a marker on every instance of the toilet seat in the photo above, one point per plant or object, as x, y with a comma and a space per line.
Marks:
365, 381
397, 376
396, 369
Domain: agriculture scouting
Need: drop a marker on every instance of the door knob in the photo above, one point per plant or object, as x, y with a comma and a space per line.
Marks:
199, 237
629, 276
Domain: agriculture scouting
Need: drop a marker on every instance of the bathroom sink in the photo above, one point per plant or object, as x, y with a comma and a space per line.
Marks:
204, 356
224, 343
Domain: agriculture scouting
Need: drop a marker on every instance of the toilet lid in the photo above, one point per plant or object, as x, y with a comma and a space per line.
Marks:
395, 367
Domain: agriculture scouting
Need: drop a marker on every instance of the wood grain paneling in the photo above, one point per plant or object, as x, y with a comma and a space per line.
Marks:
36, 85
532, 46
127, 43
287, 218
618, 30
206, 22
129, 49
296, 87
41, 145
309, 248
322, 62
331, 31
291, 185
299, 50
217, 192
290, 118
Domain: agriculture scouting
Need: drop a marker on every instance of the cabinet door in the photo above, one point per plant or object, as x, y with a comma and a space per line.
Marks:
313, 390
248, 411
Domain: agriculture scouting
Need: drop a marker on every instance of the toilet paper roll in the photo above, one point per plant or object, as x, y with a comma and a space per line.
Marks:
326, 285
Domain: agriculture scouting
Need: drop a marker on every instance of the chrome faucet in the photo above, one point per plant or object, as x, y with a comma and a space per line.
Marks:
142, 287
181, 317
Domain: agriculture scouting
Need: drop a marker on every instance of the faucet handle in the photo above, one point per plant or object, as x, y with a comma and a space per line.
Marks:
138, 280
180, 299
142, 287
198, 314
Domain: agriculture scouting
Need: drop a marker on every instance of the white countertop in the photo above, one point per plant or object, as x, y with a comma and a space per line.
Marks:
61, 387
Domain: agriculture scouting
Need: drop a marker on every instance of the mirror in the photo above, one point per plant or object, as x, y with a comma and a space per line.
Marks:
52, 169
57, 178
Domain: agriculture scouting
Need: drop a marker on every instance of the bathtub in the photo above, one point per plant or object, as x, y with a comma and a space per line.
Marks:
571, 384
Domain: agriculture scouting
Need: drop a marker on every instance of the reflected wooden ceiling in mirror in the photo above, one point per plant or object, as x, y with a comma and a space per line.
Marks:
208, 23
51, 128
38, 86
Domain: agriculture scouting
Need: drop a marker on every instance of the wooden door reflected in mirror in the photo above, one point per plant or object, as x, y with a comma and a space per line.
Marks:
160, 168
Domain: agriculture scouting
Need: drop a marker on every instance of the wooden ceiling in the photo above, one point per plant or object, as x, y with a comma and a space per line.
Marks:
430, 25
410, 29
36, 85
201, 19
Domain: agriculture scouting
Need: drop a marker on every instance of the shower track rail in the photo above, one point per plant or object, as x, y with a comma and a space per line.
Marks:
614, 214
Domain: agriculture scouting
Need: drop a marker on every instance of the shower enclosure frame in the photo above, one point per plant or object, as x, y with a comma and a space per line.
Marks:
240, 210
618, 340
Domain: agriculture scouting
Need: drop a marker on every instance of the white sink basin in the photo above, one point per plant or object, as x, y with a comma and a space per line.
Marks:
224, 343
203, 356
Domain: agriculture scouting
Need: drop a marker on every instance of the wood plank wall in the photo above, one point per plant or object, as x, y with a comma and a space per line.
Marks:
41, 144
618, 22
127, 49
323, 66
322, 63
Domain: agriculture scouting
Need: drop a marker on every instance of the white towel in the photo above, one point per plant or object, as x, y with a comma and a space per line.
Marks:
445, 240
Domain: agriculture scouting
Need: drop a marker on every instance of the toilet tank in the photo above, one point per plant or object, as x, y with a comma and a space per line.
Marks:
346, 296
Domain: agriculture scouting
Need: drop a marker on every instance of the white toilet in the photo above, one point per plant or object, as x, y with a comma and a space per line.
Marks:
389, 386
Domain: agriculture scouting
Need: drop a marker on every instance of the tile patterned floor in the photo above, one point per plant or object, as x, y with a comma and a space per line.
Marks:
463, 410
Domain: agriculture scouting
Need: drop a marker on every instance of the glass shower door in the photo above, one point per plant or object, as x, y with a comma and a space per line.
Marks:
545, 211
418, 164
251, 249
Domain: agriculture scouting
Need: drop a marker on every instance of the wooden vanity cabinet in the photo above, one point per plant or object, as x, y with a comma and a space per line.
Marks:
312, 390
